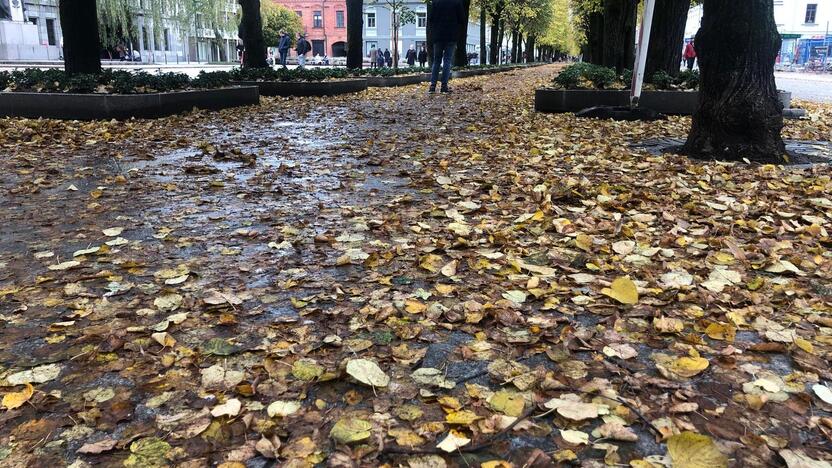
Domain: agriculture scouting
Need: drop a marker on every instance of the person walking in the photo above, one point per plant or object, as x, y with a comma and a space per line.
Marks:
283, 47
423, 57
302, 49
373, 57
388, 59
447, 17
411, 56
690, 55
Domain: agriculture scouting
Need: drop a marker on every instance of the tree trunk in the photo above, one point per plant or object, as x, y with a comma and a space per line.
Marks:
619, 33
739, 115
514, 35
483, 46
595, 39
530, 48
355, 27
495, 33
251, 32
429, 37
461, 55
82, 46
500, 41
666, 37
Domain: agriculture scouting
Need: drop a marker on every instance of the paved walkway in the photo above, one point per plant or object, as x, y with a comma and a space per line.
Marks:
808, 86
220, 287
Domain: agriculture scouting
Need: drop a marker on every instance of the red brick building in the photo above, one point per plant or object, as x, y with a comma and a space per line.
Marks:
325, 22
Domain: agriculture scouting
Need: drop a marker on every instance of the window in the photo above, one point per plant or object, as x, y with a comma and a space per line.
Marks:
50, 31
811, 12
145, 42
371, 20
317, 21
299, 13
339, 19
421, 19
167, 39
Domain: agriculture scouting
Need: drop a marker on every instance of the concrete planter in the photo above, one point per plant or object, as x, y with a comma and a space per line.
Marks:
665, 102
307, 88
122, 106
391, 81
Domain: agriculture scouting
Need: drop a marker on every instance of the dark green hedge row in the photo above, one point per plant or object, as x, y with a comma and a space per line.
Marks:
126, 82
589, 76
108, 81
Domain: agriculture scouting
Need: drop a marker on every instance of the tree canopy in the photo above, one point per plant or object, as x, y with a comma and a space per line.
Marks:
278, 18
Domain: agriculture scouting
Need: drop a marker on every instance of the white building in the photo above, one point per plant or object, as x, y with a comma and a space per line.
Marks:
804, 25
33, 33
378, 30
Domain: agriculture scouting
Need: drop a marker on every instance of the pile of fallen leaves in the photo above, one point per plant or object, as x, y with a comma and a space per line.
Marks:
399, 279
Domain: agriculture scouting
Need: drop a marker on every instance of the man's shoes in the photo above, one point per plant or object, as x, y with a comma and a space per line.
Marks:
432, 90
446, 91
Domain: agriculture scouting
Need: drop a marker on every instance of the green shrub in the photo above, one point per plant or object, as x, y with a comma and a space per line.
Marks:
688, 79
5, 80
586, 75
661, 80
81, 83
208, 80
627, 76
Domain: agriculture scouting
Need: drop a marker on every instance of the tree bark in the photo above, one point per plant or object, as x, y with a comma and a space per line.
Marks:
355, 31
595, 39
429, 37
483, 47
666, 37
461, 55
739, 115
82, 45
500, 40
530, 49
619, 33
495, 33
251, 32
514, 35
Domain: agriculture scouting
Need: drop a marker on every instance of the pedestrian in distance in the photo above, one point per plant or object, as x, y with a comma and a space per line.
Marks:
283, 47
388, 58
423, 57
447, 17
303, 47
411, 56
373, 57
690, 55
380, 59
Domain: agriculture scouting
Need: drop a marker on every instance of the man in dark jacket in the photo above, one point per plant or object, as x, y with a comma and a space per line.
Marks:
283, 47
302, 49
447, 18
423, 57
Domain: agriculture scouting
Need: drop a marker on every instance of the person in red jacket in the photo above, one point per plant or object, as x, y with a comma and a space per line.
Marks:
690, 54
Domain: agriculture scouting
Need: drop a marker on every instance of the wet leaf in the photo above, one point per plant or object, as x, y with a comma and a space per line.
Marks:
622, 290
282, 408
692, 450
38, 374
367, 372
17, 399
349, 430
453, 441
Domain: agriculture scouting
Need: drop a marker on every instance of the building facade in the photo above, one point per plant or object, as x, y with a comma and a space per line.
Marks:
378, 29
32, 32
325, 23
804, 25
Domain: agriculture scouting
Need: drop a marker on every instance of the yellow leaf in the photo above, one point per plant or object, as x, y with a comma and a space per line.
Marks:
622, 290
431, 262
689, 366
414, 306
406, 437
445, 289
692, 450
804, 345
721, 331
496, 464
348, 430
508, 403
584, 242
17, 399
453, 441
461, 417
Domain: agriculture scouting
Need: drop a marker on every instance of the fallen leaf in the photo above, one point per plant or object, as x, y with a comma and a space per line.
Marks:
17, 399
349, 430
692, 450
282, 408
229, 408
367, 372
575, 437
453, 441
622, 290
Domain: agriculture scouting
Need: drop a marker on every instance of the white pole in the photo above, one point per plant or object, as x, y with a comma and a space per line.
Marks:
641, 53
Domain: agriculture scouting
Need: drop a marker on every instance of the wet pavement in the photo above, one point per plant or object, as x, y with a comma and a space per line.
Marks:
399, 227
